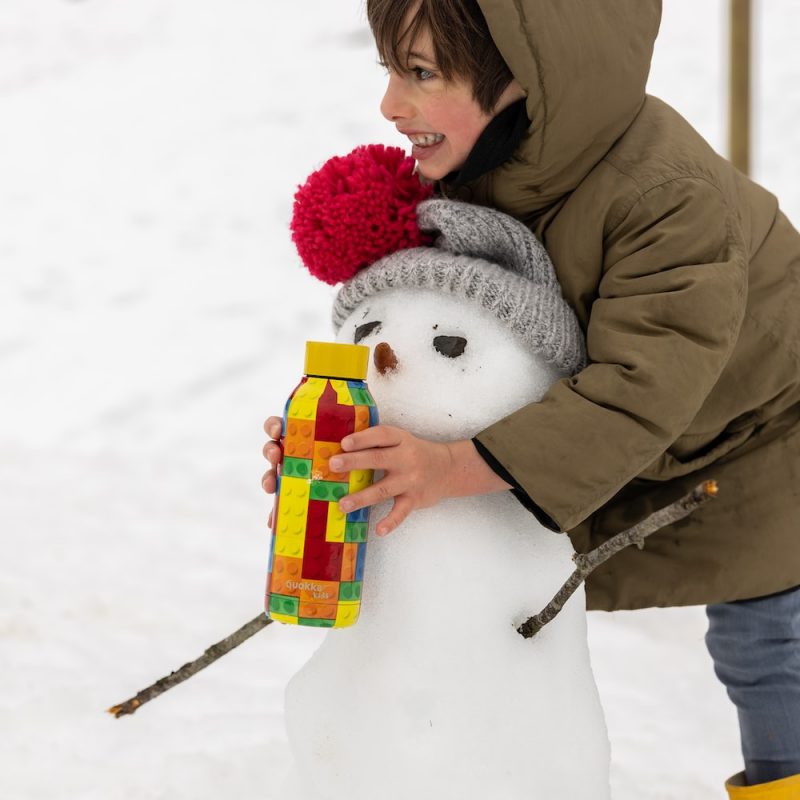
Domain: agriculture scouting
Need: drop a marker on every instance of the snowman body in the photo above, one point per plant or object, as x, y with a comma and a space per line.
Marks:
433, 693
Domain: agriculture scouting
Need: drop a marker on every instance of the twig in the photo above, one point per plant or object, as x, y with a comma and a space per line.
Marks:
187, 670
587, 562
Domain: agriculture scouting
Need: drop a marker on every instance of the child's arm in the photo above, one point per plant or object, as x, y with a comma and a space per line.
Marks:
665, 320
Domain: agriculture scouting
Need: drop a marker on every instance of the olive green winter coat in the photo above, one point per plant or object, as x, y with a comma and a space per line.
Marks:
686, 279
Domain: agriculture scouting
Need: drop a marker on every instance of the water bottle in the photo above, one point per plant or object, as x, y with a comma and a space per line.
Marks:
316, 561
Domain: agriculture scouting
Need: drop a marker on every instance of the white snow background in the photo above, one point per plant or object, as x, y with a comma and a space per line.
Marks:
153, 313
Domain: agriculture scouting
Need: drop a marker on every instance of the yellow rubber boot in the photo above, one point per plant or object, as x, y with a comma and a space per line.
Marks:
784, 789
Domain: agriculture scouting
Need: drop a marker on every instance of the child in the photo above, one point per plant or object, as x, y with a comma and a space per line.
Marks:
685, 277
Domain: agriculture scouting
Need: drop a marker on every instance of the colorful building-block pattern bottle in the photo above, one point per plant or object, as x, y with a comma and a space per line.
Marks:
316, 561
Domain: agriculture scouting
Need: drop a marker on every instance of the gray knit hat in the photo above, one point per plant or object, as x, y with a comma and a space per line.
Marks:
488, 258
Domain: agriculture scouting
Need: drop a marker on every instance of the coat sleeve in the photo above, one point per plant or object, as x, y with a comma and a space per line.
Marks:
667, 315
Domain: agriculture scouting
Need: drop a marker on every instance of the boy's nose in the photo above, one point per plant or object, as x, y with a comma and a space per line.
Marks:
395, 105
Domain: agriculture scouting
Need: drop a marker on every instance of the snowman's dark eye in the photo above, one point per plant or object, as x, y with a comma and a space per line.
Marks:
365, 330
450, 346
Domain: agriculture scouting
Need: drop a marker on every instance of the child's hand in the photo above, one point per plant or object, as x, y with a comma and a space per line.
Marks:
272, 452
417, 473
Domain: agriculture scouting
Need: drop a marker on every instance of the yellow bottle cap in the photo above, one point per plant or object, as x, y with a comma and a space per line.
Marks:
334, 360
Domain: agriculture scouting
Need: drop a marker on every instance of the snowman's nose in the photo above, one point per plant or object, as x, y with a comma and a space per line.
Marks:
384, 358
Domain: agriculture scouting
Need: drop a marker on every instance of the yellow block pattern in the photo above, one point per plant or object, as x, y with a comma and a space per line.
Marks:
312, 388
343, 396
304, 402
347, 613
359, 479
292, 513
283, 618
334, 531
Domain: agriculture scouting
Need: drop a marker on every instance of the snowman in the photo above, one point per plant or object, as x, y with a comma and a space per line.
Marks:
433, 693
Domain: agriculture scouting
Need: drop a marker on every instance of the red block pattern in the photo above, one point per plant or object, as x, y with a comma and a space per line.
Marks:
334, 421
322, 561
316, 521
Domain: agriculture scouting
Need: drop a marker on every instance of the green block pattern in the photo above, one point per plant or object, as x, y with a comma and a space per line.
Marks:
350, 590
328, 490
355, 531
296, 467
316, 623
282, 604
361, 397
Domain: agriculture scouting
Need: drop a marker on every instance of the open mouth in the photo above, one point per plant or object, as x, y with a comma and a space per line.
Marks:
426, 139
425, 144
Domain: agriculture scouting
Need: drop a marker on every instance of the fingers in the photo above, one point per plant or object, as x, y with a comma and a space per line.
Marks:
372, 448
400, 510
377, 436
384, 489
269, 520
269, 481
363, 459
403, 504
273, 427
272, 452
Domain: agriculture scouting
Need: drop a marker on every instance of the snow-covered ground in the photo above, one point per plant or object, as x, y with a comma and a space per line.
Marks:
153, 313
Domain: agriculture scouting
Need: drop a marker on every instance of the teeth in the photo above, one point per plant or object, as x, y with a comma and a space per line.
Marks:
426, 139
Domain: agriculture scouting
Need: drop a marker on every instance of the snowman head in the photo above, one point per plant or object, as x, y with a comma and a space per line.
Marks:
459, 303
441, 367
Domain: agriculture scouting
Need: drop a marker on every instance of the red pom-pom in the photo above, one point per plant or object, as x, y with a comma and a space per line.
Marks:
356, 209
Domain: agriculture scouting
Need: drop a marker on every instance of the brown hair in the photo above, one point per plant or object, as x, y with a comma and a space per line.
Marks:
462, 44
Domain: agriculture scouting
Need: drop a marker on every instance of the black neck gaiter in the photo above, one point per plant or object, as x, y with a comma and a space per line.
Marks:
495, 145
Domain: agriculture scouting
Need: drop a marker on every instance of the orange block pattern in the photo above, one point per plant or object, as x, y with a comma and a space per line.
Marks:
349, 561
361, 418
323, 452
286, 575
299, 439
318, 610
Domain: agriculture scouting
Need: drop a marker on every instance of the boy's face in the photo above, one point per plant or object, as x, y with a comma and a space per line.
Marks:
440, 117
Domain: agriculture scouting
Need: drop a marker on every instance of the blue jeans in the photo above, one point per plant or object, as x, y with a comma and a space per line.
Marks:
755, 645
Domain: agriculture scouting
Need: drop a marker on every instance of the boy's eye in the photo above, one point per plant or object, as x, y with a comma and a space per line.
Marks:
423, 74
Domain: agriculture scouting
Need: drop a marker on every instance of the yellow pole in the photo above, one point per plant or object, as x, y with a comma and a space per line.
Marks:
739, 87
